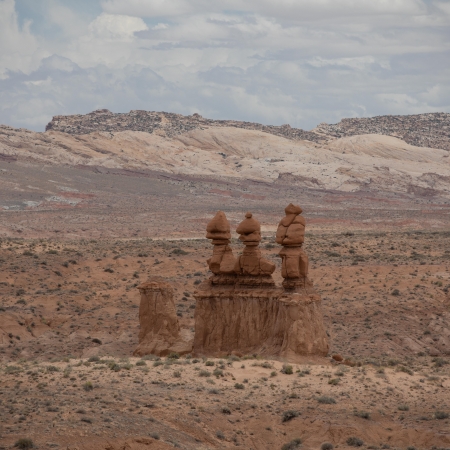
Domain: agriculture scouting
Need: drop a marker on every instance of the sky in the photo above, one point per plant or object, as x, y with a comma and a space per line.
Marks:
300, 62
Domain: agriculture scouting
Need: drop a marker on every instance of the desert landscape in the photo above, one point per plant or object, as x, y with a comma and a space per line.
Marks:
98, 204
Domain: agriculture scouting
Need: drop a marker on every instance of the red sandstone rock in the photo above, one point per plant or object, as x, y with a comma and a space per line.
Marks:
251, 262
246, 313
223, 261
160, 331
291, 235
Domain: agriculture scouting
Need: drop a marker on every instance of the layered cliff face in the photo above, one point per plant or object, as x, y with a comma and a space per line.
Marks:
160, 332
245, 312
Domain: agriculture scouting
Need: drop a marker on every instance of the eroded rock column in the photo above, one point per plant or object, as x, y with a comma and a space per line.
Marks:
160, 332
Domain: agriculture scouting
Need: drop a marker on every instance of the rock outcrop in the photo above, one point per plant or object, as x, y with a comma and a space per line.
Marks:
291, 235
421, 130
246, 313
160, 332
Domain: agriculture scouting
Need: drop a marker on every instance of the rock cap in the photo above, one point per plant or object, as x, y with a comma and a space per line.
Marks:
218, 227
248, 225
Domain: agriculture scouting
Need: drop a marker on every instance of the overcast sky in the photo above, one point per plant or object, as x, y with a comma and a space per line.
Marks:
300, 62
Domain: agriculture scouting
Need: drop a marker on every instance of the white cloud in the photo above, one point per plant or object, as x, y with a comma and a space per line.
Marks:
120, 27
19, 49
293, 61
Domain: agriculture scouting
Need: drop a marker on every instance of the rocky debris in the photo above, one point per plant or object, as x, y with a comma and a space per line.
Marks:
422, 130
160, 332
248, 314
291, 235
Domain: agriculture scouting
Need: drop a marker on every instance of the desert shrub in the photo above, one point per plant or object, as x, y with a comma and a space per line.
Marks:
86, 419
441, 415
334, 381
287, 369
239, 386
97, 341
395, 292
225, 410
355, 442
177, 374
273, 373
294, 444
220, 435
209, 363
141, 363
327, 446
88, 386
326, 400
362, 414
439, 362
179, 251
218, 372
157, 363
173, 355
24, 443
154, 435
52, 369
114, 366
94, 359
403, 407
204, 373
289, 415
197, 282
405, 370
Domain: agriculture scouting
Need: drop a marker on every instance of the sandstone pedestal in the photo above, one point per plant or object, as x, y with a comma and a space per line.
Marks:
160, 332
269, 321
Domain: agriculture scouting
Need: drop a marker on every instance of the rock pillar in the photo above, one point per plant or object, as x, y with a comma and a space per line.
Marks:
160, 331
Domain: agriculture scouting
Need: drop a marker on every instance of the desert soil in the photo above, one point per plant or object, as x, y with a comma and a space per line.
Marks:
69, 324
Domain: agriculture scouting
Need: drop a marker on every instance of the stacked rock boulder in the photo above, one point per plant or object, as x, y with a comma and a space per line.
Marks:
222, 263
291, 235
246, 313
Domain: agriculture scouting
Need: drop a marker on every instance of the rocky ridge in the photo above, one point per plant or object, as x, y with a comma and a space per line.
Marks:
430, 130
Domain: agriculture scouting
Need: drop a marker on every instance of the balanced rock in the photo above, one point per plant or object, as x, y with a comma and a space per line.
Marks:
251, 262
160, 332
291, 235
222, 261
249, 314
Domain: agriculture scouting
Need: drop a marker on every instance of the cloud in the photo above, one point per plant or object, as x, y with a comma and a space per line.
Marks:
293, 61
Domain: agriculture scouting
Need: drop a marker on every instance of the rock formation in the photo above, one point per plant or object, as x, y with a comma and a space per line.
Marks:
248, 314
222, 261
160, 331
251, 262
291, 235
421, 130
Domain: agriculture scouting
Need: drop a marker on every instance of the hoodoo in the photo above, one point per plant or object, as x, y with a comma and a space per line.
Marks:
160, 332
243, 311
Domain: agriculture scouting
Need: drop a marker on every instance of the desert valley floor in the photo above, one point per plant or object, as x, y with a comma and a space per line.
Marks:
69, 322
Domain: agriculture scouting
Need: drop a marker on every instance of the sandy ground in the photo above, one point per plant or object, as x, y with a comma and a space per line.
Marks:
69, 324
